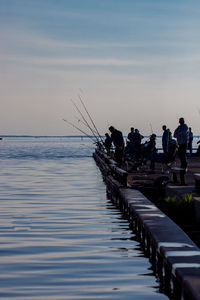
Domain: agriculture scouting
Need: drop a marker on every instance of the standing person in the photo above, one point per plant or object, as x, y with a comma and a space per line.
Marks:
131, 135
181, 134
118, 141
107, 143
137, 142
131, 142
190, 140
165, 138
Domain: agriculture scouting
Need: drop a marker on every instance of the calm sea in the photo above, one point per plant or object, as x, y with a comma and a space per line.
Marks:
60, 237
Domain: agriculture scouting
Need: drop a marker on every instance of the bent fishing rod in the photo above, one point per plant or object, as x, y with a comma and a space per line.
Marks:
91, 119
78, 110
86, 134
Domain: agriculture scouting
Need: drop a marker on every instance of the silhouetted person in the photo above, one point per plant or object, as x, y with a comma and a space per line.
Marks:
149, 147
166, 157
107, 142
137, 142
118, 141
181, 134
165, 138
190, 140
131, 142
131, 135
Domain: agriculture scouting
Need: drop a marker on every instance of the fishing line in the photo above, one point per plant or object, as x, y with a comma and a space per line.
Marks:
86, 134
84, 120
91, 119
151, 128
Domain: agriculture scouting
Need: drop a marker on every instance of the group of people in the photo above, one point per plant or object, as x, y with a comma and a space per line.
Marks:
134, 148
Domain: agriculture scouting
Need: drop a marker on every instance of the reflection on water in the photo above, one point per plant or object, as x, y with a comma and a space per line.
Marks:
60, 237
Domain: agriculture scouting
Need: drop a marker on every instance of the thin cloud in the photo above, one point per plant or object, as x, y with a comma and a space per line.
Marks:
15, 40
108, 61
18, 38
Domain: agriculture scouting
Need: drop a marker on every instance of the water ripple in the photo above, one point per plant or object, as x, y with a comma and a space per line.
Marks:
60, 237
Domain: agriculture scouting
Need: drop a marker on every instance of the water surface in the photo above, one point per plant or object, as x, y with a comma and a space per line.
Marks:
60, 237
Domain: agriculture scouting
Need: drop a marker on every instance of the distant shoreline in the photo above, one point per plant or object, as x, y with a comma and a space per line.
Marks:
46, 136
64, 136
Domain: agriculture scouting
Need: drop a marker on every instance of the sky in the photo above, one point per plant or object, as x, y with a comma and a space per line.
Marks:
134, 63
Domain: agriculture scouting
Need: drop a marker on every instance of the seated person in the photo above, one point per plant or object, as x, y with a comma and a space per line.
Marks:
166, 157
149, 147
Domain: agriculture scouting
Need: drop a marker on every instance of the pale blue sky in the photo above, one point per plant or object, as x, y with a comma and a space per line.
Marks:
136, 63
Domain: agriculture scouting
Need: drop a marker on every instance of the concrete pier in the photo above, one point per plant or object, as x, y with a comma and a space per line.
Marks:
174, 256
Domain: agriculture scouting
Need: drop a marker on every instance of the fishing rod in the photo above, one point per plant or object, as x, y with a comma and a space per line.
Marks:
151, 128
86, 134
85, 120
82, 122
91, 119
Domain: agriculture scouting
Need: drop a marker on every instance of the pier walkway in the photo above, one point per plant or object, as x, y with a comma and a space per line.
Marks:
142, 177
175, 257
